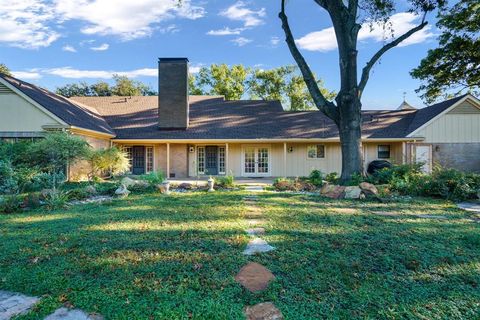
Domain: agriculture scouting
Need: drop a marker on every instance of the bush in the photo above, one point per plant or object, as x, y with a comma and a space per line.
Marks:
332, 178
47, 180
78, 194
386, 175
8, 181
107, 188
56, 200
316, 178
111, 161
153, 178
10, 204
227, 182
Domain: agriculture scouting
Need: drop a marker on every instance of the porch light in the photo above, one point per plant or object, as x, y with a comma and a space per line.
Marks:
191, 149
290, 149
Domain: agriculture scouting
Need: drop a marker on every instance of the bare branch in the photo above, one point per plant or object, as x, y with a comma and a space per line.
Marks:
327, 107
385, 48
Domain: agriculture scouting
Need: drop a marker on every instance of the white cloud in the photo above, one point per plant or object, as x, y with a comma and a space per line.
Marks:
72, 73
241, 41
69, 48
102, 47
225, 32
125, 18
26, 75
23, 24
274, 41
239, 12
173, 28
325, 40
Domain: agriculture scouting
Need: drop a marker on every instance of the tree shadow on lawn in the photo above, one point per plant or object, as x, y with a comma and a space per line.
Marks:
166, 263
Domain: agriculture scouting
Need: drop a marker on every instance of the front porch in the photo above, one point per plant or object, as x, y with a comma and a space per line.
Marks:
250, 161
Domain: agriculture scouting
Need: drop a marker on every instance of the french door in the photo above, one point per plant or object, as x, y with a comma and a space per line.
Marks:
256, 161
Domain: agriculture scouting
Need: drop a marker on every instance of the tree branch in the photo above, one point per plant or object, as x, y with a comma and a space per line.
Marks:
327, 107
385, 48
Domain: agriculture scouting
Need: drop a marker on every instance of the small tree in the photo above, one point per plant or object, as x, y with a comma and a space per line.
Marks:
112, 161
221, 79
56, 151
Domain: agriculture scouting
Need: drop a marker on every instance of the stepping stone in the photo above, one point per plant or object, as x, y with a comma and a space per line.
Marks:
13, 304
386, 214
252, 203
256, 231
263, 311
430, 216
470, 206
72, 314
254, 277
345, 210
255, 222
254, 188
257, 245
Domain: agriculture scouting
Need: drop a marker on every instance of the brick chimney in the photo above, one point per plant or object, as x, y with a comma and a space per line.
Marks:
173, 107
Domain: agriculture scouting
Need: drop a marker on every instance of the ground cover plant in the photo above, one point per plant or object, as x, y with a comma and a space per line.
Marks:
175, 257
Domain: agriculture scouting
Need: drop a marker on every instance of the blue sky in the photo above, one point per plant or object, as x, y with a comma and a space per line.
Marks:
54, 42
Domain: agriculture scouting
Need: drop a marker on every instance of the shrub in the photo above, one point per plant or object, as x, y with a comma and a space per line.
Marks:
316, 178
111, 161
56, 200
78, 194
107, 188
8, 181
47, 180
10, 204
227, 181
153, 178
332, 178
32, 200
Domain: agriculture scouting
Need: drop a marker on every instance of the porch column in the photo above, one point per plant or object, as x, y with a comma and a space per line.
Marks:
285, 159
404, 152
226, 159
168, 161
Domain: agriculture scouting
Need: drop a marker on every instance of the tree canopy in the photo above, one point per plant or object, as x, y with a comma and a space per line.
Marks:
237, 82
453, 67
123, 87
4, 69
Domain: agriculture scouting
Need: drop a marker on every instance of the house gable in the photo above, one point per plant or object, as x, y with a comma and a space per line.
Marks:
458, 124
18, 115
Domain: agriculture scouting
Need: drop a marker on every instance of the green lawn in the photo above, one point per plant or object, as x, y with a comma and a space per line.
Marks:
156, 257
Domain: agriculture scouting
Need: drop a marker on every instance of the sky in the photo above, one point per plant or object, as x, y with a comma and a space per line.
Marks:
54, 42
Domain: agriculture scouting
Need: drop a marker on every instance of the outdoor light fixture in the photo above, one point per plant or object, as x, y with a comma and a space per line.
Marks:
191, 149
290, 149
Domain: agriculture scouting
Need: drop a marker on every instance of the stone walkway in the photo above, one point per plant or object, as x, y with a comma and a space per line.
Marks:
13, 304
473, 208
253, 276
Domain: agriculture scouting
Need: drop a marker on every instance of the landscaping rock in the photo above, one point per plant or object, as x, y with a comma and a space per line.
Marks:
470, 206
352, 192
254, 277
72, 314
368, 189
257, 245
263, 311
128, 182
122, 191
13, 304
332, 191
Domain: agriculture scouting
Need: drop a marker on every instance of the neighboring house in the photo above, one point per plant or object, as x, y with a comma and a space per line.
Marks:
189, 136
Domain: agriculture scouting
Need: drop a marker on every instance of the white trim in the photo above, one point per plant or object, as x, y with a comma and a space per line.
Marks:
31, 101
453, 106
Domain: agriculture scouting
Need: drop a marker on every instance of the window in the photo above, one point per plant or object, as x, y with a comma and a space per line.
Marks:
201, 160
149, 159
316, 151
384, 151
129, 152
221, 160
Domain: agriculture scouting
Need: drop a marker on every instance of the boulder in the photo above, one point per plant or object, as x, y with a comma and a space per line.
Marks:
128, 182
332, 191
368, 189
353, 192
122, 191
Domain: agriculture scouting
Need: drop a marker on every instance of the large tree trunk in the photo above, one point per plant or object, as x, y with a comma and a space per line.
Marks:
349, 127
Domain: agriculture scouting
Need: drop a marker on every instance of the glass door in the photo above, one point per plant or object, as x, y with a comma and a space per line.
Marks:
256, 161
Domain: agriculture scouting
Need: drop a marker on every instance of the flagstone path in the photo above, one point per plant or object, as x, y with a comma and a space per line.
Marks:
14, 304
253, 276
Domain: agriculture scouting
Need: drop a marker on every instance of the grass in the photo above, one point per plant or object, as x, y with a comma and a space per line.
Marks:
156, 257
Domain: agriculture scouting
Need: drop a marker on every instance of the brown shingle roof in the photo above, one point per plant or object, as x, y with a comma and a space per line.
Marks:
72, 113
214, 118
